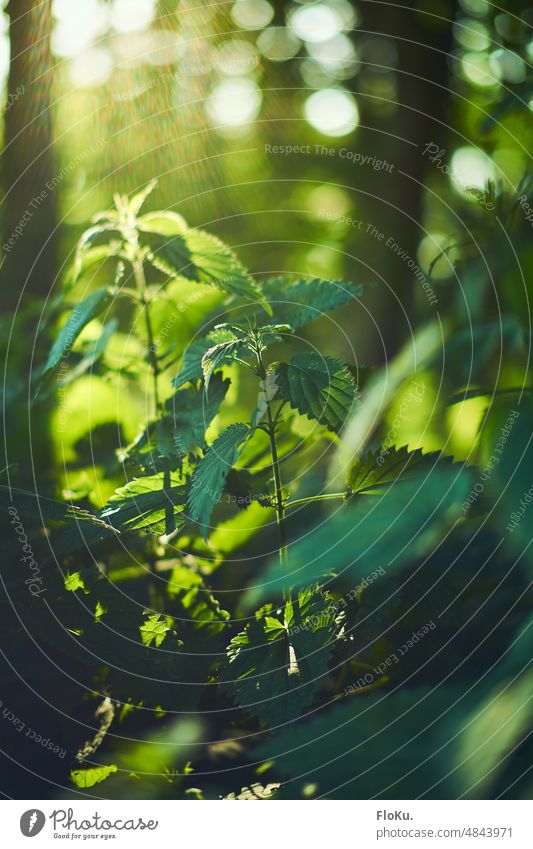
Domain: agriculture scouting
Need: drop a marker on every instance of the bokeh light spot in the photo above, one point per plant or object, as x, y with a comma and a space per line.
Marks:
332, 111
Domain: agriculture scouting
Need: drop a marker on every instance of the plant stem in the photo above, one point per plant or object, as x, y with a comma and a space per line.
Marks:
280, 509
140, 279
330, 496
271, 429
156, 598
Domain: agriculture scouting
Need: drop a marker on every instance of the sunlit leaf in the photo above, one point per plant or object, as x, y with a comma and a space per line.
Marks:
197, 600
163, 222
142, 505
93, 775
191, 364
155, 629
217, 355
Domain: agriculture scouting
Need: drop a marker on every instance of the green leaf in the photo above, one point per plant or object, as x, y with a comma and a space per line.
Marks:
197, 600
88, 309
94, 775
92, 352
164, 444
164, 438
297, 303
219, 266
163, 222
142, 505
90, 259
387, 745
383, 530
493, 729
211, 473
192, 412
155, 629
37, 506
507, 442
191, 364
321, 388
173, 257
107, 223
388, 465
136, 201
276, 665
380, 393
75, 582
198, 256
217, 355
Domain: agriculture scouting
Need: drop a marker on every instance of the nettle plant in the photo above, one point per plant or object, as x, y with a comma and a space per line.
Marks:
142, 588
164, 512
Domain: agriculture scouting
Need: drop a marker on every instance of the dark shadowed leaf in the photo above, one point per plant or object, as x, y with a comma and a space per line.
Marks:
276, 665
299, 302
211, 473
318, 387
381, 745
382, 468
192, 411
86, 310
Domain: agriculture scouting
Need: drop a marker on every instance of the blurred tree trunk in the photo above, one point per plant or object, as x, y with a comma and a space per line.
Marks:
29, 219
398, 132
28, 163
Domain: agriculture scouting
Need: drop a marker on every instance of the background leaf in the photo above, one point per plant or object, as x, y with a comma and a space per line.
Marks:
384, 745
381, 530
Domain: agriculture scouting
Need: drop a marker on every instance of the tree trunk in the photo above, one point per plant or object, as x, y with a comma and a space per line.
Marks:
28, 167
393, 199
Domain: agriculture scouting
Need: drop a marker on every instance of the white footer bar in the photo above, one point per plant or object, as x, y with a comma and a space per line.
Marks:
355, 824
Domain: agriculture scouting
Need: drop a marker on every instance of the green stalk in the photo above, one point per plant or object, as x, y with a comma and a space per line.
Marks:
276, 470
140, 279
280, 509
330, 496
156, 597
